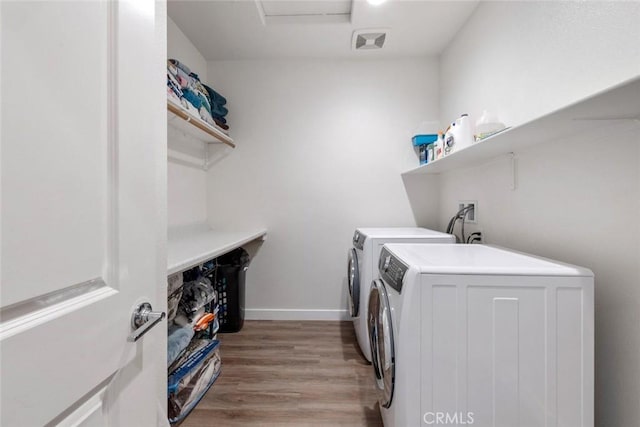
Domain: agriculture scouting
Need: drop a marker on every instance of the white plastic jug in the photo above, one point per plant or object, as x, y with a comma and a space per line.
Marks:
459, 135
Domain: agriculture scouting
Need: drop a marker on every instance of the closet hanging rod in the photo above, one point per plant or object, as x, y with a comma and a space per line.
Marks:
217, 135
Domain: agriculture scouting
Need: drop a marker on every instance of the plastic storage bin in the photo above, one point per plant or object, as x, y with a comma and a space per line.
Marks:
192, 379
419, 140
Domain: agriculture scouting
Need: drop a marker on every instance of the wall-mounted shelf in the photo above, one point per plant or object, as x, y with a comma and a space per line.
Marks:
618, 104
192, 245
196, 127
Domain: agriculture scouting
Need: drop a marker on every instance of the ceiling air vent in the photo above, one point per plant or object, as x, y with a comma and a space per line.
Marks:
368, 39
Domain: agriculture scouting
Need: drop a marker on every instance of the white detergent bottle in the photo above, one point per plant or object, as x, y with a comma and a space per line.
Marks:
439, 148
460, 135
463, 132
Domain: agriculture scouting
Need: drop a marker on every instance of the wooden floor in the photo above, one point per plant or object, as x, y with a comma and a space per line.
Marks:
285, 373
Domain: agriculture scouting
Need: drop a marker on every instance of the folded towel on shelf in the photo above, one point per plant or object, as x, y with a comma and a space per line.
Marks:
193, 83
199, 99
216, 98
172, 68
190, 108
172, 96
205, 101
173, 84
206, 116
181, 77
218, 111
192, 97
183, 82
185, 79
220, 119
180, 65
219, 123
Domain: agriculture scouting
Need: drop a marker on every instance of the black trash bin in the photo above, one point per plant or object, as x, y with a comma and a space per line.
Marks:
231, 271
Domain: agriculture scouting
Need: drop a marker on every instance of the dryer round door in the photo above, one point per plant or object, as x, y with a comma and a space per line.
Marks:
353, 279
381, 340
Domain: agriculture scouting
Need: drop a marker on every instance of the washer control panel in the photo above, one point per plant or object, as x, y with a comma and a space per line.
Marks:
358, 240
391, 269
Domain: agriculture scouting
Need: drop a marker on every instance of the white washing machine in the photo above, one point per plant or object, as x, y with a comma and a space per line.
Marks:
483, 336
362, 268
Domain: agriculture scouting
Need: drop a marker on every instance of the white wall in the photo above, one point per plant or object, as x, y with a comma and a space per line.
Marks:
180, 47
524, 59
320, 148
186, 184
577, 199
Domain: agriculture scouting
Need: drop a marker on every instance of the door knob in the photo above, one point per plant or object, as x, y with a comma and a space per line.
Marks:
143, 319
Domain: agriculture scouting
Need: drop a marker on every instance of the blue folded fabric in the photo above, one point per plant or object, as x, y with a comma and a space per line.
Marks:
204, 101
199, 94
216, 98
178, 340
218, 110
192, 97
202, 94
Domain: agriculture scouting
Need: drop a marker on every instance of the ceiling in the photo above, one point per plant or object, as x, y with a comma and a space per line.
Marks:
269, 29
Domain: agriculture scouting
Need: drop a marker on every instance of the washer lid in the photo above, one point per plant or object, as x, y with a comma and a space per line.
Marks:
400, 232
479, 260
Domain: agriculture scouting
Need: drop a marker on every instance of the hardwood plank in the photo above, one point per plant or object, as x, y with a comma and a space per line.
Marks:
290, 373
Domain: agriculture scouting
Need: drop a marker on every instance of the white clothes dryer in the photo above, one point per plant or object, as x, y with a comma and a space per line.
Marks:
362, 268
483, 336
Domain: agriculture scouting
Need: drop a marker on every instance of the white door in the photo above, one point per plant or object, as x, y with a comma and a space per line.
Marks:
83, 172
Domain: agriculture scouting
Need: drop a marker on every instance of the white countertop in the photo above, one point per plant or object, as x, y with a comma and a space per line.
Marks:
189, 246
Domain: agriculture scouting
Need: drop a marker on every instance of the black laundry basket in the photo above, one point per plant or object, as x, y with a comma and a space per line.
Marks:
231, 272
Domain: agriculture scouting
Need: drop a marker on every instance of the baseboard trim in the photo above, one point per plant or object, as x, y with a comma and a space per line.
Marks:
292, 314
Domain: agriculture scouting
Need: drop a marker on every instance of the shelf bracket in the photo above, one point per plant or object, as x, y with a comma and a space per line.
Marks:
186, 159
512, 167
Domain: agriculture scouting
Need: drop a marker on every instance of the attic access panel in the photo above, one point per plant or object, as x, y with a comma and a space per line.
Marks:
304, 11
